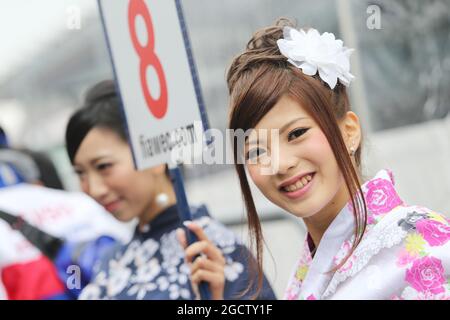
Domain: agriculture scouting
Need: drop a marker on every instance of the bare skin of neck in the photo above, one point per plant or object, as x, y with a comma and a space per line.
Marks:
154, 209
319, 222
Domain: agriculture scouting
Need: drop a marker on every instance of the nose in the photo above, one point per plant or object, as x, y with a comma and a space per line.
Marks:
95, 187
286, 163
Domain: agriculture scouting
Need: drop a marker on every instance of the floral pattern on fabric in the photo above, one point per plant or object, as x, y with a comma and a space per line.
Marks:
152, 265
410, 244
293, 290
381, 196
425, 275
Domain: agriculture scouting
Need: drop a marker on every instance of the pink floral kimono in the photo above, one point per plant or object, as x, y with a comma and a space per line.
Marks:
404, 254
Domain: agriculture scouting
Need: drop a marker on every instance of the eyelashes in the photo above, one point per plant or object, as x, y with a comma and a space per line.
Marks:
298, 132
292, 135
103, 166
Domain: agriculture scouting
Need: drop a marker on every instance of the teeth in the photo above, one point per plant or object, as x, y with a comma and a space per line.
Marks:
298, 184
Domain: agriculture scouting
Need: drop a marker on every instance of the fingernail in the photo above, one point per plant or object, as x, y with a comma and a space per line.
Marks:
187, 223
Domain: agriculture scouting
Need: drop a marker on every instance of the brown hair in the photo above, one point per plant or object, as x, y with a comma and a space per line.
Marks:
257, 79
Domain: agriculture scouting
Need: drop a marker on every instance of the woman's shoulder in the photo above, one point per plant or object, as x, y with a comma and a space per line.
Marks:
424, 254
412, 220
417, 227
412, 242
427, 233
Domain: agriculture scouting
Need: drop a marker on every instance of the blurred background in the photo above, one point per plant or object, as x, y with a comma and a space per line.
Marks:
401, 91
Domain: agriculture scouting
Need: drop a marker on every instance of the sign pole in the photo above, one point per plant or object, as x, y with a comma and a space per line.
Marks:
176, 72
175, 172
184, 213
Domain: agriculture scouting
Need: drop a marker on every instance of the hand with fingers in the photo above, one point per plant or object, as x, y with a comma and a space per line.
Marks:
205, 259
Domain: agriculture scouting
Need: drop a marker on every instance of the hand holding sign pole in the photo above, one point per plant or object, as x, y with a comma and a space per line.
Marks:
153, 120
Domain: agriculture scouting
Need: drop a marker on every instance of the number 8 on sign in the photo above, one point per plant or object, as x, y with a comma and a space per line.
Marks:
147, 56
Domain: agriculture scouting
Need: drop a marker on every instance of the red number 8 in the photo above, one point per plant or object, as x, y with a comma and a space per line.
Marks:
148, 58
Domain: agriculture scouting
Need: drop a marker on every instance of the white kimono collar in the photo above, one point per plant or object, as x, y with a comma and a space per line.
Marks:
381, 198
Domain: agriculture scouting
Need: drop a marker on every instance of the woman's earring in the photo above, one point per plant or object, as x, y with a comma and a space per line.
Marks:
162, 199
352, 151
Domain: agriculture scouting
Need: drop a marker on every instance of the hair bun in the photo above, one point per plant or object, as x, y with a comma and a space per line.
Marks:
262, 48
267, 38
103, 90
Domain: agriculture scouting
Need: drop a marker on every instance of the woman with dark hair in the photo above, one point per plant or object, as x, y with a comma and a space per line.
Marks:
363, 241
154, 264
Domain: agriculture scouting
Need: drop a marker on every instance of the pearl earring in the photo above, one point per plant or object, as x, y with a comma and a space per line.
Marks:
162, 199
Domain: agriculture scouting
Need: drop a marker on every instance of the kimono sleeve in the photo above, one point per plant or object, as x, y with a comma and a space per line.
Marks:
426, 254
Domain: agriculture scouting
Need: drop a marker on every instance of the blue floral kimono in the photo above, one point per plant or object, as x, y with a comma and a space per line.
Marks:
152, 265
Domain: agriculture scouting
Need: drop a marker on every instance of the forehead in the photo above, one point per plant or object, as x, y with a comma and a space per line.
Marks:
99, 142
285, 110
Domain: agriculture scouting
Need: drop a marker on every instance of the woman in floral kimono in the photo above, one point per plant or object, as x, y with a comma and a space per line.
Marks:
154, 264
288, 93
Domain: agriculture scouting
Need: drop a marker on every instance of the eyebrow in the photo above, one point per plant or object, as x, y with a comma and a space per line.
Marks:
283, 128
96, 159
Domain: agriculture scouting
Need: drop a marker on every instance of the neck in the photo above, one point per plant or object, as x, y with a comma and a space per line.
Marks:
154, 209
318, 223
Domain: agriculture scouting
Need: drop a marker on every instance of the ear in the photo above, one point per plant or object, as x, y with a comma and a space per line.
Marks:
351, 130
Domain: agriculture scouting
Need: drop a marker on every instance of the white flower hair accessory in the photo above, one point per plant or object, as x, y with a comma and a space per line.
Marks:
312, 52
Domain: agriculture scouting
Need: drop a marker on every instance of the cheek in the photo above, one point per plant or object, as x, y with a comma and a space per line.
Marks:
321, 154
84, 185
121, 179
318, 148
317, 151
145, 185
261, 181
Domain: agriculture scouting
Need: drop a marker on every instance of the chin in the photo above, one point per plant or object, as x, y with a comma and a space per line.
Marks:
303, 210
122, 217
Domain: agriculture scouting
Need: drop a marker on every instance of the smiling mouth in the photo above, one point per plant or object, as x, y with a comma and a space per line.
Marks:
299, 184
112, 206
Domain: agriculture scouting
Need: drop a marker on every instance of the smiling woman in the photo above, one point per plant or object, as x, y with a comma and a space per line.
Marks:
293, 82
157, 263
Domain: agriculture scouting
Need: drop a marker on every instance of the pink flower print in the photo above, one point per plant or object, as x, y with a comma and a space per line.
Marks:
404, 258
311, 297
434, 232
370, 219
426, 275
342, 254
430, 296
381, 196
292, 292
